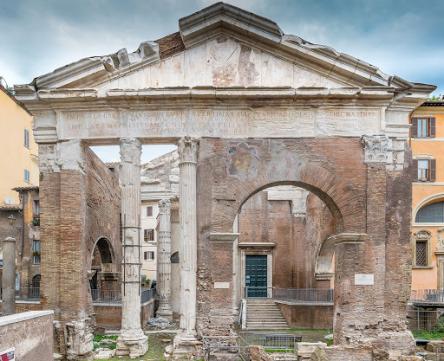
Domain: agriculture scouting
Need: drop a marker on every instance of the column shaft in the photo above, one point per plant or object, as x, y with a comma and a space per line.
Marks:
188, 227
132, 340
163, 259
8, 277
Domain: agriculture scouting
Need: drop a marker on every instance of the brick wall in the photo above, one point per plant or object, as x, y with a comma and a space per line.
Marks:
77, 207
308, 316
297, 239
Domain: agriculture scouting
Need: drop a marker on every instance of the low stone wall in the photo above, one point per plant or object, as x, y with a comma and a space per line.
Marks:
30, 333
109, 316
307, 316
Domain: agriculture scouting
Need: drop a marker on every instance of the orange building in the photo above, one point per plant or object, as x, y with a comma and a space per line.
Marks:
427, 142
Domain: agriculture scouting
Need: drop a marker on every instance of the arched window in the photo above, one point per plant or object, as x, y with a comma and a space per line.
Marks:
431, 213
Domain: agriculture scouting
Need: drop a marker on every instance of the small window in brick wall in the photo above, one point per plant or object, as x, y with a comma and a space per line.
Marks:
148, 256
425, 169
149, 211
421, 253
423, 127
148, 235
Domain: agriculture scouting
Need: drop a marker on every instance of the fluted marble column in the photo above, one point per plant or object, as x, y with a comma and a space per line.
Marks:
188, 241
163, 259
132, 341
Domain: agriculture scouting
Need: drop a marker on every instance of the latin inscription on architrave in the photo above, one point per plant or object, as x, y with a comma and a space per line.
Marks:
265, 122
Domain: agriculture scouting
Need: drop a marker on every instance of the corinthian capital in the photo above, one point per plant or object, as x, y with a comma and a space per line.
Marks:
188, 150
164, 206
377, 149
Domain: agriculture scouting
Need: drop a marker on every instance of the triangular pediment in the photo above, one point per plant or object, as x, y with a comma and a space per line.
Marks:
220, 46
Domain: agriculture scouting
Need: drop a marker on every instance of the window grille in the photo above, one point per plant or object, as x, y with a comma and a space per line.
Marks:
36, 252
421, 253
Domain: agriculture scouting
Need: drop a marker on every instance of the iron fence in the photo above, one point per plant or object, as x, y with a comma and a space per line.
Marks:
270, 342
304, 295
28, 293
147, 294
115, 296
106, 296
419, 318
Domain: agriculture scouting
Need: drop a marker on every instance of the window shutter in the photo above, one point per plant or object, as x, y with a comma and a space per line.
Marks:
432, 165
414, 128
432, 127
415, 170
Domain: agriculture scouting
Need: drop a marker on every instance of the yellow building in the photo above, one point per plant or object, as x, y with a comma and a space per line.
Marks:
18, 161
427, 141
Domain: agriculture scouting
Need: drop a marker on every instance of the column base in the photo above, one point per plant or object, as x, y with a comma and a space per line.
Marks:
132, 343
165, 312
79, 340
185, 346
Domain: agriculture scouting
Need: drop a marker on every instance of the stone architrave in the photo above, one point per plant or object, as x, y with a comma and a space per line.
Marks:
132, 341
164, 261
8, 277
188, 227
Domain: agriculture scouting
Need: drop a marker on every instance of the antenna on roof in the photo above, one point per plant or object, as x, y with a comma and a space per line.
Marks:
3, 80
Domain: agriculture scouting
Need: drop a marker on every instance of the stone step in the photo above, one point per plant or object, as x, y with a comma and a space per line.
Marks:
264, 314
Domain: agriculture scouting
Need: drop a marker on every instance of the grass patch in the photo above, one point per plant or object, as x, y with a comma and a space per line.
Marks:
156, 348
428, 335
278, 350
99, 341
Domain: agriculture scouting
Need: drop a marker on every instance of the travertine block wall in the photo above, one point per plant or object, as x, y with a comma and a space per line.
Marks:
30, 333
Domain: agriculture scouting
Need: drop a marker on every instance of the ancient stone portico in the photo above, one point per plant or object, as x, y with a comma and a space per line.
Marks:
250, 108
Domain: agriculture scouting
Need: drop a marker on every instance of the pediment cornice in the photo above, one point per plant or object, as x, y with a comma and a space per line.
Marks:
206, 24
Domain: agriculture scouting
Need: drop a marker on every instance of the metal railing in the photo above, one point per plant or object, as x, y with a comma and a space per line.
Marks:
106, 296
277, 342
147, 294
427, 296
33, 294
419, 318
304, 295
115, 296
297, 295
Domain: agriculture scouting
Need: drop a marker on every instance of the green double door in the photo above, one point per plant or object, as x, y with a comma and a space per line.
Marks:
256, 276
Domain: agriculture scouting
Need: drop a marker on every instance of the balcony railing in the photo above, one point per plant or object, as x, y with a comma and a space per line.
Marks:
25, 294
427, 296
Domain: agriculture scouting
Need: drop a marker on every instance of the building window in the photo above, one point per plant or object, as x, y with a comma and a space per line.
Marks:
426, 169
149, 211
423, 127
26, 138
36, 207
421, 253
26, 175
148, 235
431, 213
35, 252
148, 256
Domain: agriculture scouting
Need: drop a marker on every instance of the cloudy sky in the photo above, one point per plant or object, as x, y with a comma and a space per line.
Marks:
403, 37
